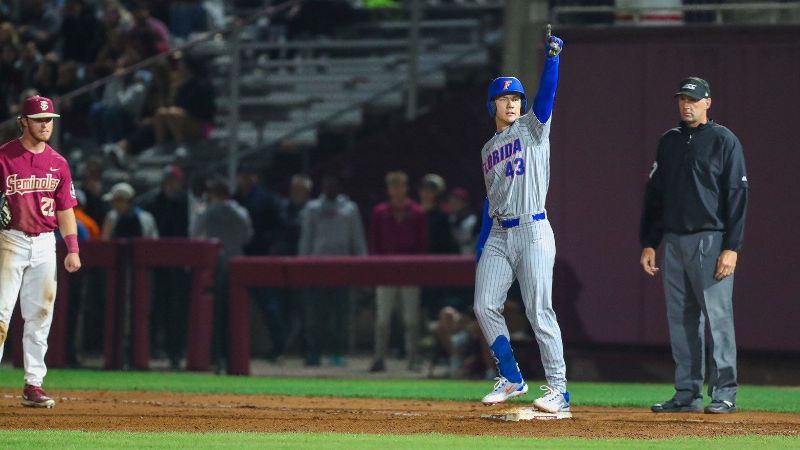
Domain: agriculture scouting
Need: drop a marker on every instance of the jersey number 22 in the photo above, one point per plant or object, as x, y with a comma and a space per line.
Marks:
48, 206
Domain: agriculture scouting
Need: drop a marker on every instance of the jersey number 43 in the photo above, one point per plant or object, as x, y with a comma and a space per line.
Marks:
516, 167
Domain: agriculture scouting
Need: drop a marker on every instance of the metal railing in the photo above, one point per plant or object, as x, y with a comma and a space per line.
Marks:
718, 9
396, 87
231, 40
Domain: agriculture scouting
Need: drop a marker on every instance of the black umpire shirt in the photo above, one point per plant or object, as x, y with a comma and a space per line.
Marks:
698, 183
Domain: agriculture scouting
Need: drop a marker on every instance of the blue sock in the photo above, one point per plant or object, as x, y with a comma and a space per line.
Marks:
506, 364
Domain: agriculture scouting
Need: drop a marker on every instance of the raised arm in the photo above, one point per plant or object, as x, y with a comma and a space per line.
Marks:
545, 96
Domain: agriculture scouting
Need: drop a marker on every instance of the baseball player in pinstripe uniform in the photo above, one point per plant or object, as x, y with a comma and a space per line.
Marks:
516, 240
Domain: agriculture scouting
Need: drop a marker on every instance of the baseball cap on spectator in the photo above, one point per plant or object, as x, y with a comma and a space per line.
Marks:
38, 107
174, 171
80, 196
694, 87
121, 190
433, 182
460, 193
143, 75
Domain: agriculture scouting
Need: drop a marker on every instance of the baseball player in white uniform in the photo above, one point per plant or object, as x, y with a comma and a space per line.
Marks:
516, 239
37, 184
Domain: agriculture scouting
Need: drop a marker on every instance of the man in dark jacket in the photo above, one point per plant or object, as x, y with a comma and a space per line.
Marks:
696, 201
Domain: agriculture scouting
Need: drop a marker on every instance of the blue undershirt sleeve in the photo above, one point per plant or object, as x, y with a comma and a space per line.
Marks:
545, 97
486, 227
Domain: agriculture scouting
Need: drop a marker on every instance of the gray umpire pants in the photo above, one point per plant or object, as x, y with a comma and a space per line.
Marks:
692, 295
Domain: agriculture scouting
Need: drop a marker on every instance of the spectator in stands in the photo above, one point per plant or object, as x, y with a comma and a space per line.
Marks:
265, 212
198, 198
29, 62
116, 17
264, 207
12, 130
464, 226
40, 21
109, 57
67, 80
228, 221
125, 220
120, 109
458, 338
169, 205
452, 340
10, 74
147, 30
82, 33
140, 135
46, 75
463, 221
286, 243
440, 236
9, 36
84, 220
397, 226
187, 17
191, 116
92, 186
331, 225
300, 188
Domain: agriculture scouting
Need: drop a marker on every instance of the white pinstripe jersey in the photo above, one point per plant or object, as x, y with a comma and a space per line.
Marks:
516, 168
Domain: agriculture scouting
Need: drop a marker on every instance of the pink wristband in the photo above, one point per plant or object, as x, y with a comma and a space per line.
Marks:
72, 243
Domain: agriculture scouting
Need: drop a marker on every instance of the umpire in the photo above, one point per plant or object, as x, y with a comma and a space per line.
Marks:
695, 201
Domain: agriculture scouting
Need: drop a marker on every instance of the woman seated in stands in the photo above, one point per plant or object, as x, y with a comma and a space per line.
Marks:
190, 117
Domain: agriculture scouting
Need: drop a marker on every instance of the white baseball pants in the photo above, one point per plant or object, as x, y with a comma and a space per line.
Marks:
28, 271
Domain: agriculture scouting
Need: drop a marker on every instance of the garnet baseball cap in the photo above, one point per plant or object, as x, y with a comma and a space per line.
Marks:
37, 107
460, 193
694, 87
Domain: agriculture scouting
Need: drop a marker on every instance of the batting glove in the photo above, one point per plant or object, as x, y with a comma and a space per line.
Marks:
553, 46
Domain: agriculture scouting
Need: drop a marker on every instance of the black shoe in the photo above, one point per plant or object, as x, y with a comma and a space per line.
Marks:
720, 407
673, 405
378, 366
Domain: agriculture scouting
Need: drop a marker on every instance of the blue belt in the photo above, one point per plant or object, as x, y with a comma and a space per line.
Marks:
511, 223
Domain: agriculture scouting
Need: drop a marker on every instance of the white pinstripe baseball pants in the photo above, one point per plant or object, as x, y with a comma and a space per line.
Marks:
526, 252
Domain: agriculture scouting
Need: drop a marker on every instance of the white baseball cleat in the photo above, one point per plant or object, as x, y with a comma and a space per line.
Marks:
553, 401
503, 390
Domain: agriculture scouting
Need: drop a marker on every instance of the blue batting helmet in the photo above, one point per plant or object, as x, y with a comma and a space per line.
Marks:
502, 86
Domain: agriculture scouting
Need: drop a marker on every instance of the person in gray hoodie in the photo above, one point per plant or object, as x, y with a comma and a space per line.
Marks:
330, 225
228, 221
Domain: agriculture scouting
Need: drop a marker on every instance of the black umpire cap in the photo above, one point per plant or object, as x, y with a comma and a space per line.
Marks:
694, 87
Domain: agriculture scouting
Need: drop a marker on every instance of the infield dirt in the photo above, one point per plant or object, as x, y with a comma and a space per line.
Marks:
157, 411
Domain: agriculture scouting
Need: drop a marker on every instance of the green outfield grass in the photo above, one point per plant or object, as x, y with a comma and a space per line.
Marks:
753, 398
80, 439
